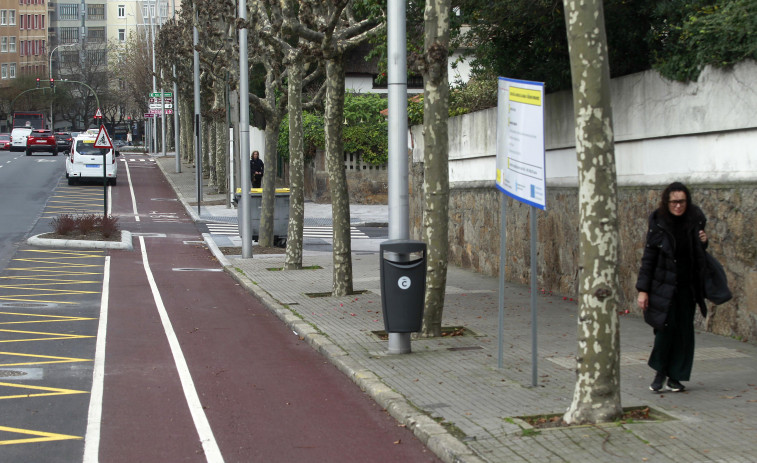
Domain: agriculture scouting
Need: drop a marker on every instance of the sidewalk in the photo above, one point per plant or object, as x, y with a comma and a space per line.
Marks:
450, 391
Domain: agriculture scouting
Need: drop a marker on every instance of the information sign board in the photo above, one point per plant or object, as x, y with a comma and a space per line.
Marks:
520, 141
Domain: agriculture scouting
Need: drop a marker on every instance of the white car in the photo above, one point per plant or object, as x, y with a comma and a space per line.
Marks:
18, 138
86, 162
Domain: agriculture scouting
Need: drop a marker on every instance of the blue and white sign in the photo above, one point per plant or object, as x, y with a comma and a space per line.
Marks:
520, 141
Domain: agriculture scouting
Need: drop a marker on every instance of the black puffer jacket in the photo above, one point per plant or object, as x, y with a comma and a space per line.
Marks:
657, 275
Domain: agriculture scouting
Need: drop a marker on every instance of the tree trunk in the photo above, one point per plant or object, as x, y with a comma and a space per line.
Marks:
340, 201
273, 119
435, 162
597, 392
187, 130
205, 145
221, 157
212, 149
293, 259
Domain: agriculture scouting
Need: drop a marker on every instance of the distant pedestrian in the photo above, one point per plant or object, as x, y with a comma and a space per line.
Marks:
256, 169
671, 284
128, 138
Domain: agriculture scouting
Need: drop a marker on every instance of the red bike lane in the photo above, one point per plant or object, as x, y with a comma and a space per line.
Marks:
264, 394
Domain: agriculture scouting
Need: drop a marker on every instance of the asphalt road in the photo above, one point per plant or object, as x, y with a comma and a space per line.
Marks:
26, 183
156, 354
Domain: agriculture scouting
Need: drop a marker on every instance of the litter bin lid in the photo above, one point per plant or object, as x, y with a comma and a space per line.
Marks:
401, 249
260, 190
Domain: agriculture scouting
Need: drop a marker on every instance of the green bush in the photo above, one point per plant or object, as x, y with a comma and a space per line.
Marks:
364, 133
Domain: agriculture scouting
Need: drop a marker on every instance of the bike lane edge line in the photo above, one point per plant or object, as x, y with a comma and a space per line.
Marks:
209, 444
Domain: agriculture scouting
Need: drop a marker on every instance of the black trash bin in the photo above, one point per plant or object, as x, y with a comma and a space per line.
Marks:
403, 284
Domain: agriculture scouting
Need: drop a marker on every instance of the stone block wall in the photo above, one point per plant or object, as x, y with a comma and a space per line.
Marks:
474, 237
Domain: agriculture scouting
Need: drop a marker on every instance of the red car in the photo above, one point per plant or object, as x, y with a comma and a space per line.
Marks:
41, 140
5, 141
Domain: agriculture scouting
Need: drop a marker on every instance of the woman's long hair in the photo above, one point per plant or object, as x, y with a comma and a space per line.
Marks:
663, 209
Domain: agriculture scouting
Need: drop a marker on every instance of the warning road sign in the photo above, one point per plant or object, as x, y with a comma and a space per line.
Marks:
98, 114
103, 140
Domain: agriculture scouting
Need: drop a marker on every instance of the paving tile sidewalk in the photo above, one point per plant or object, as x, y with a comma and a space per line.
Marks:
451, 393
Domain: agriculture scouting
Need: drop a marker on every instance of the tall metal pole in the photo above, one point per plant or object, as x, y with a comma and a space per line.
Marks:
399, 228
197, 119
151, 11
176, 137
244, 135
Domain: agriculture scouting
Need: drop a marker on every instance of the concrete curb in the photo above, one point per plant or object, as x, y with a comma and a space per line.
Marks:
432, 434
125, 244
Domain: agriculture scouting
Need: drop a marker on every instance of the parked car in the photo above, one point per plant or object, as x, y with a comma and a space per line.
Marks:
86, 162
5, 141
18, 138
41, 140
64, 140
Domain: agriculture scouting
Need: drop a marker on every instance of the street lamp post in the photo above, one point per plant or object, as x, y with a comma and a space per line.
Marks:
50, 75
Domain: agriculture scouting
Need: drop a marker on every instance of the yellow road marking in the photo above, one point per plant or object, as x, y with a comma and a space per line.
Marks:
53, 391
49, 336
43, 436
56, 359
20, 299
57, 318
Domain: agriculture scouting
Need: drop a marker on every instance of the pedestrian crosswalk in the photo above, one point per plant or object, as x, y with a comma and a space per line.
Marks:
307, 232
132, 160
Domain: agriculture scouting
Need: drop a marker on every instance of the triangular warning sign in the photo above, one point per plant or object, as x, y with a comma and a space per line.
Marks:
98, 114
103, 140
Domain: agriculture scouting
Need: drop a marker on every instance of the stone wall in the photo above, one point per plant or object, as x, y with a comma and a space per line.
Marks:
366, 184
474, 237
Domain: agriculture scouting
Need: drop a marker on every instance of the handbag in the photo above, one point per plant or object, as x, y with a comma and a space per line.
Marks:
715, 281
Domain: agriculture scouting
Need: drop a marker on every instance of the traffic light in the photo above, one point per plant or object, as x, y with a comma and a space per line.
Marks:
52, 83
37, 82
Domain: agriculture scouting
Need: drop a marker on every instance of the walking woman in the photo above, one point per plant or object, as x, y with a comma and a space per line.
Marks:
671, 284
256, 169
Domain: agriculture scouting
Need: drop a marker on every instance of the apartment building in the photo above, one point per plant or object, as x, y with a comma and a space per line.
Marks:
83, 30
23, 39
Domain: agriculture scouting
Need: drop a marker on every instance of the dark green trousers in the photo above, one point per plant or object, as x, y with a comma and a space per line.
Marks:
673, 351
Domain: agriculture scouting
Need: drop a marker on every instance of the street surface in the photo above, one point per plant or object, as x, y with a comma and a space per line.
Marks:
187, 365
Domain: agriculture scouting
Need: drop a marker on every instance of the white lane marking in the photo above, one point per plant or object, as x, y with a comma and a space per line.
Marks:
209, 444
94, 418
131, 188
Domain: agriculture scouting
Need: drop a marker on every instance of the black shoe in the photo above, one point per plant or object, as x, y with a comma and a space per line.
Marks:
675, 386
656, 385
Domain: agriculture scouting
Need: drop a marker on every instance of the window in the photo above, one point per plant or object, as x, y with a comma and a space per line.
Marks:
69, 11
21, 48
21, 23
12, 71
4, 71
42, 47
96, 34
69, 34
3, 17
121, 11
96, 57
122, 35
28, 21
11, 17
12, 44
36, 47
96, 12
36, 21
41, 21
69, 57
4, 44
163, 10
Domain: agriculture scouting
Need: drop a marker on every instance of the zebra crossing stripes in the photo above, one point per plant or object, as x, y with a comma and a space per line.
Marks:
133, 160
231, 229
